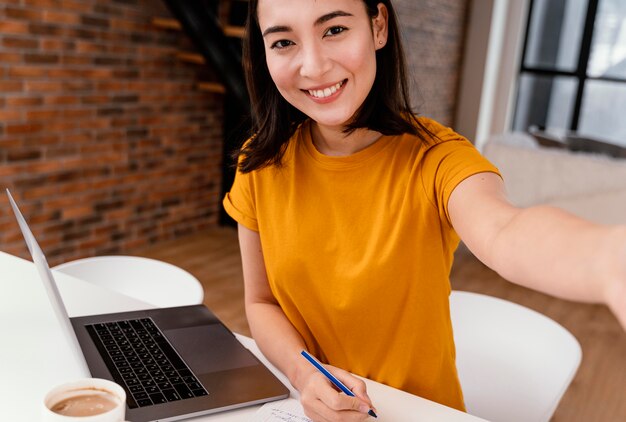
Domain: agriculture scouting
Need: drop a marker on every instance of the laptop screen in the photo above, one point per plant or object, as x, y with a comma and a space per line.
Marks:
51, 288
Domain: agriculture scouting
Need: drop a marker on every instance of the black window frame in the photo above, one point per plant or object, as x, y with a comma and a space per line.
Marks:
580, 73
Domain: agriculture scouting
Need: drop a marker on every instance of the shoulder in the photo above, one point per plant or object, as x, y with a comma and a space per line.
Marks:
438, 132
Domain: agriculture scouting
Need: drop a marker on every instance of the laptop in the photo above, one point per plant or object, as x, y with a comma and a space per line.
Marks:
173, 363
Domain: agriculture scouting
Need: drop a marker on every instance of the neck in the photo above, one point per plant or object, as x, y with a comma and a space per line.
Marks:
334, 142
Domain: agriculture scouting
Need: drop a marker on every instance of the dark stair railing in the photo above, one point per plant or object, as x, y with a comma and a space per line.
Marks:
200, 21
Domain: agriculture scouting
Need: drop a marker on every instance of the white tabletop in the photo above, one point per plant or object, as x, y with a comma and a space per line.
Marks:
34, 355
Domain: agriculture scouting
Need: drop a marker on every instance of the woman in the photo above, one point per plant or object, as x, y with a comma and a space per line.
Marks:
350, 209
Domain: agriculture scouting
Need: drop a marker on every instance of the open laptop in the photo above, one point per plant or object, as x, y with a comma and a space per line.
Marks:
174, 363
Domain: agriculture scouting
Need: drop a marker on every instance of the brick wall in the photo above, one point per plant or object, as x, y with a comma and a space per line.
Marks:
433, 34
104, 140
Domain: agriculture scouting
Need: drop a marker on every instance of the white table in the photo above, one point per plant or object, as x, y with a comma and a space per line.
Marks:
34, 355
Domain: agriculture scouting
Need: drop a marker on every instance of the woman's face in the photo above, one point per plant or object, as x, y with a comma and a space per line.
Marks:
321, 54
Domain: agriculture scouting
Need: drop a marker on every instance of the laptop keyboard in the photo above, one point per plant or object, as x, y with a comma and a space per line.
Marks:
144, 363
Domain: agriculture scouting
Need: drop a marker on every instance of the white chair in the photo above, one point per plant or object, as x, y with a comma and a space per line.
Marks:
149, 280
514, 364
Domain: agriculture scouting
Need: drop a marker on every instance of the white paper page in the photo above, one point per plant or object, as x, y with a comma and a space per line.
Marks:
288, 410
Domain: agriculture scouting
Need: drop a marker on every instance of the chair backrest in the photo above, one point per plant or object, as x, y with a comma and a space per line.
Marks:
514, 364
156, 282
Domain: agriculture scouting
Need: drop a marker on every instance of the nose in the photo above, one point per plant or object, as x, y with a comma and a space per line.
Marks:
314, 62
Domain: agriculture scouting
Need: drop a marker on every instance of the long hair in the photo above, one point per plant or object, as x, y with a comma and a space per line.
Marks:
386, 109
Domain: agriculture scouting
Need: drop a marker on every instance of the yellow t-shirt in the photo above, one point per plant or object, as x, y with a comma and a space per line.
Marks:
358, 251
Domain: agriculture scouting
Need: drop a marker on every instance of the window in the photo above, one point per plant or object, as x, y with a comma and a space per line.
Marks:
573, 72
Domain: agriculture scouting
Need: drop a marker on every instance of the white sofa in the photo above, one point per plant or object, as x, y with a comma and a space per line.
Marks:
589, 185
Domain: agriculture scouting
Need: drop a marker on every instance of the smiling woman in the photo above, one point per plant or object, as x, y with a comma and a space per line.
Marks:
313, 54
350, 208
278, 58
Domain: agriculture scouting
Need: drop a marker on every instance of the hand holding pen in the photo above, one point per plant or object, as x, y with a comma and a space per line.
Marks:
354, 405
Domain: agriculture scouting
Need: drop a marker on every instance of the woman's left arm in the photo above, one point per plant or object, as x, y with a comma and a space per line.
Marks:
541, 247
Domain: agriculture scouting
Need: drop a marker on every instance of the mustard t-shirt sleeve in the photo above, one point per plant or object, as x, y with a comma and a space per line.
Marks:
239, 203
449, 161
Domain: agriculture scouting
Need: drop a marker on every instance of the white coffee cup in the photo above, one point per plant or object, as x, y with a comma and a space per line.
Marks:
93, 387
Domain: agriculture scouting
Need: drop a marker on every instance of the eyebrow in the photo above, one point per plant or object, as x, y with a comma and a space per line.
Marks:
321, 20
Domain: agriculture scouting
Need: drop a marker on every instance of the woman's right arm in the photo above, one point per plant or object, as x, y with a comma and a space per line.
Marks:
281, 343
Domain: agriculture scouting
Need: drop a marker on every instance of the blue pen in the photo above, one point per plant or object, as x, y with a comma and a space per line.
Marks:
331, 377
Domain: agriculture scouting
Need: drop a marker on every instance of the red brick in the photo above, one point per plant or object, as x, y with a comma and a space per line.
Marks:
62, 18
38, 58
65, 73
43, 114
43, 86
13, 27
11, 86
76, 211
24, 155
24, 101
20, 43
77, 113
57, 45
77, 5
90, 47
10, 114
27, 72
61, 126
62, 99
75, 60
23, 128
44, 4
78, 138
78, 85
40, 191
20, 13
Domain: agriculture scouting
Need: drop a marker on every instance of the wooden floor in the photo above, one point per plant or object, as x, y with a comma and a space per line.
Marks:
598, 393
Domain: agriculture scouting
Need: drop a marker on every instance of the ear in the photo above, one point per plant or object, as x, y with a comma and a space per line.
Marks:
380, 26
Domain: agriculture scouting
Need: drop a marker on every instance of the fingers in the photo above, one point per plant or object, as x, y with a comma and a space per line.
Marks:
322, 402
356, 385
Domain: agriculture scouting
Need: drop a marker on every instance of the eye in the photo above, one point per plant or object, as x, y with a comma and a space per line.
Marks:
280, 44
335, 30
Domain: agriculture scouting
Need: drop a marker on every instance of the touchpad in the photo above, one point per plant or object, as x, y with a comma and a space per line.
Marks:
209, 348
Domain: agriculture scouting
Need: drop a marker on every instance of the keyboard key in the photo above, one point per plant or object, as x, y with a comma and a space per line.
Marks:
195, 386
158, 398
199, 393
144, 402
185, 373
144, 377
164, 385
129, 376
140, 395
184, 391
135, 389
171, 394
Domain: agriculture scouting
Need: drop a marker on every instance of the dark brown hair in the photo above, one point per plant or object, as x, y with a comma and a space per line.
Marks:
386, 109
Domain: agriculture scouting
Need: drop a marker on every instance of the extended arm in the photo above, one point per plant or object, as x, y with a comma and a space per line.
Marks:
281, 344
541, 247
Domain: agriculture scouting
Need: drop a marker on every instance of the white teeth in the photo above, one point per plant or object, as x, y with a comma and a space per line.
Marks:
319, 93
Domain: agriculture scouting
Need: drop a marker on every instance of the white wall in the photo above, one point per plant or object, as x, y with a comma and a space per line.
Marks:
494, 42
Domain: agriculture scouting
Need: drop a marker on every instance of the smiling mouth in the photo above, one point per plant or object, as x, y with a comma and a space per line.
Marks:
326, 92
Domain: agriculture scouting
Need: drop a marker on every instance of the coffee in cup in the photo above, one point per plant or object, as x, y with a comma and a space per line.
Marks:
85, 400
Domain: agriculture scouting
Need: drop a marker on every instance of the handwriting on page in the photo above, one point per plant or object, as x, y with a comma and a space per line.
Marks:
288, 410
